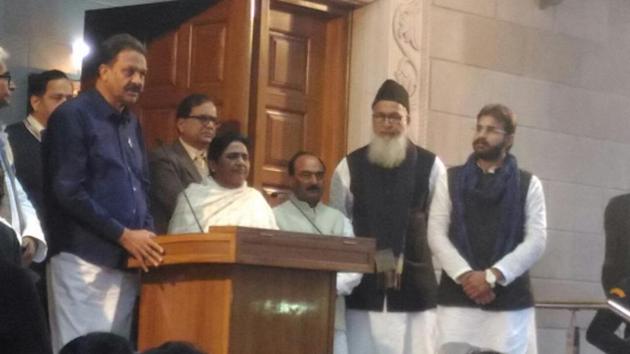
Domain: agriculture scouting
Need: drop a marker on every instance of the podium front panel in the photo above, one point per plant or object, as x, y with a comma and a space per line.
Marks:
282, 311
239, 309
187, 303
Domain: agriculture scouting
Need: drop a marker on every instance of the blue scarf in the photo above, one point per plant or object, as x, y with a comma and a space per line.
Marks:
504, 189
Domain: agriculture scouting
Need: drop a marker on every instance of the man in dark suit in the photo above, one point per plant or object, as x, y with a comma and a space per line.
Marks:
615, 278
46, 91
173, 167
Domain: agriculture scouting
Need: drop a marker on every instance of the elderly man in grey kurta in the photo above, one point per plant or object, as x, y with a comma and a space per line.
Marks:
304, 212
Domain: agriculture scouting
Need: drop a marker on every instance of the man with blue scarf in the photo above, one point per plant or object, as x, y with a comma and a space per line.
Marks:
487, 228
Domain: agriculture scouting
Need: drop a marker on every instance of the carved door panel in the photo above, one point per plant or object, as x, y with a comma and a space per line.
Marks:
277, 71
301, 92
210, 54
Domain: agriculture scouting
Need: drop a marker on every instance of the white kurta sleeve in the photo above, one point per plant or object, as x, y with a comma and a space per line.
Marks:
517, 262
340, 196
27, 223
439, 221
347, 281
31, 225
437, 170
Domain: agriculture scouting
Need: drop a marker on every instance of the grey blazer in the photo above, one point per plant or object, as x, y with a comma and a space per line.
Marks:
172, 170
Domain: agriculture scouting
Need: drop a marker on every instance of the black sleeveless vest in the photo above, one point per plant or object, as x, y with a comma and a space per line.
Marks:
482, 224
390, 205
27, 159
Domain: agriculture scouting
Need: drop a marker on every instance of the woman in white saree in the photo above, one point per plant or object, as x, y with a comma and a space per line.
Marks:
223, 199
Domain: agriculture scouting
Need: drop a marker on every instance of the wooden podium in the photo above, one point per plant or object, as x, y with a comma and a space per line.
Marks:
244, 290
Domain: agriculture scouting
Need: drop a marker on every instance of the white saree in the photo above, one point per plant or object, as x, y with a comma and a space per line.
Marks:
203, 205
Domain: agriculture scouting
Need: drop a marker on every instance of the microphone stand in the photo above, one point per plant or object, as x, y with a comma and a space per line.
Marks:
617, 306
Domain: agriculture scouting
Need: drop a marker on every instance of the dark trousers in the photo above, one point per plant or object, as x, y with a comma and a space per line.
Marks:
9, 245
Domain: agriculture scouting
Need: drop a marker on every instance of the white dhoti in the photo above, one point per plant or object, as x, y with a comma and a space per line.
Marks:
371, 332
84, 297
508, 332
340, 344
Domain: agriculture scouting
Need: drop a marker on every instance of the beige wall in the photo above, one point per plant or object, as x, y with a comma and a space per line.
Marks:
39, 36
563, 70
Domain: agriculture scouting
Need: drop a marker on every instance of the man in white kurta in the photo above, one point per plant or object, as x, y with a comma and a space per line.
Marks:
304, 212
485, 302
385, 188
16, 209
18, 212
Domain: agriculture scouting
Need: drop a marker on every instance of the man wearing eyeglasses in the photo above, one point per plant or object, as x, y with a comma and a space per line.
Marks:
173, 167
23, 324
6, 85
385, 189
487, 228
16, 210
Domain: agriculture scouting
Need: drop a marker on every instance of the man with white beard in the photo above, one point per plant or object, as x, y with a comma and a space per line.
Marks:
385, 188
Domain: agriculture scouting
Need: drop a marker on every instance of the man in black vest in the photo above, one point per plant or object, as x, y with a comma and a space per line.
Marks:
46, 91
385, 188
487, 228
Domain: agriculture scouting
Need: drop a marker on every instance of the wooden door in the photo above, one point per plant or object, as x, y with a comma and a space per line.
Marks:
301, 92
277, 71
209, 53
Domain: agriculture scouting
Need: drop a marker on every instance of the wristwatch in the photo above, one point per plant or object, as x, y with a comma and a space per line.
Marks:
491, 279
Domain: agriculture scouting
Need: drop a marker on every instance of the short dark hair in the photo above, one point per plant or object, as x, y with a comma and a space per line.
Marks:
175, 347
191, 101
297, 155
117, 43
38, 83
98, 343
502, 114
220, 143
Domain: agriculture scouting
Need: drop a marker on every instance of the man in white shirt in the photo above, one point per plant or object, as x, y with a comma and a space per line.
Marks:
487, 228
304, 212
16, 210
173, 167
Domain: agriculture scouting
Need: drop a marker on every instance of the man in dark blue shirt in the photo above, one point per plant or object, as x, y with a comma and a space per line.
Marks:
96, 183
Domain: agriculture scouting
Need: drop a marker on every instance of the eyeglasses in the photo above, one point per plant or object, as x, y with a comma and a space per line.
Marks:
6, 76
395, 118
205, 119
480, 129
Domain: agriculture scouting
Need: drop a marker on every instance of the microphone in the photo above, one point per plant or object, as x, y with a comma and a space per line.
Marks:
619, 303
192, 210
188, 202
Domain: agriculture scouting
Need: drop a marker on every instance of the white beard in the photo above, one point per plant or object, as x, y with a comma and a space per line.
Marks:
387, 152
